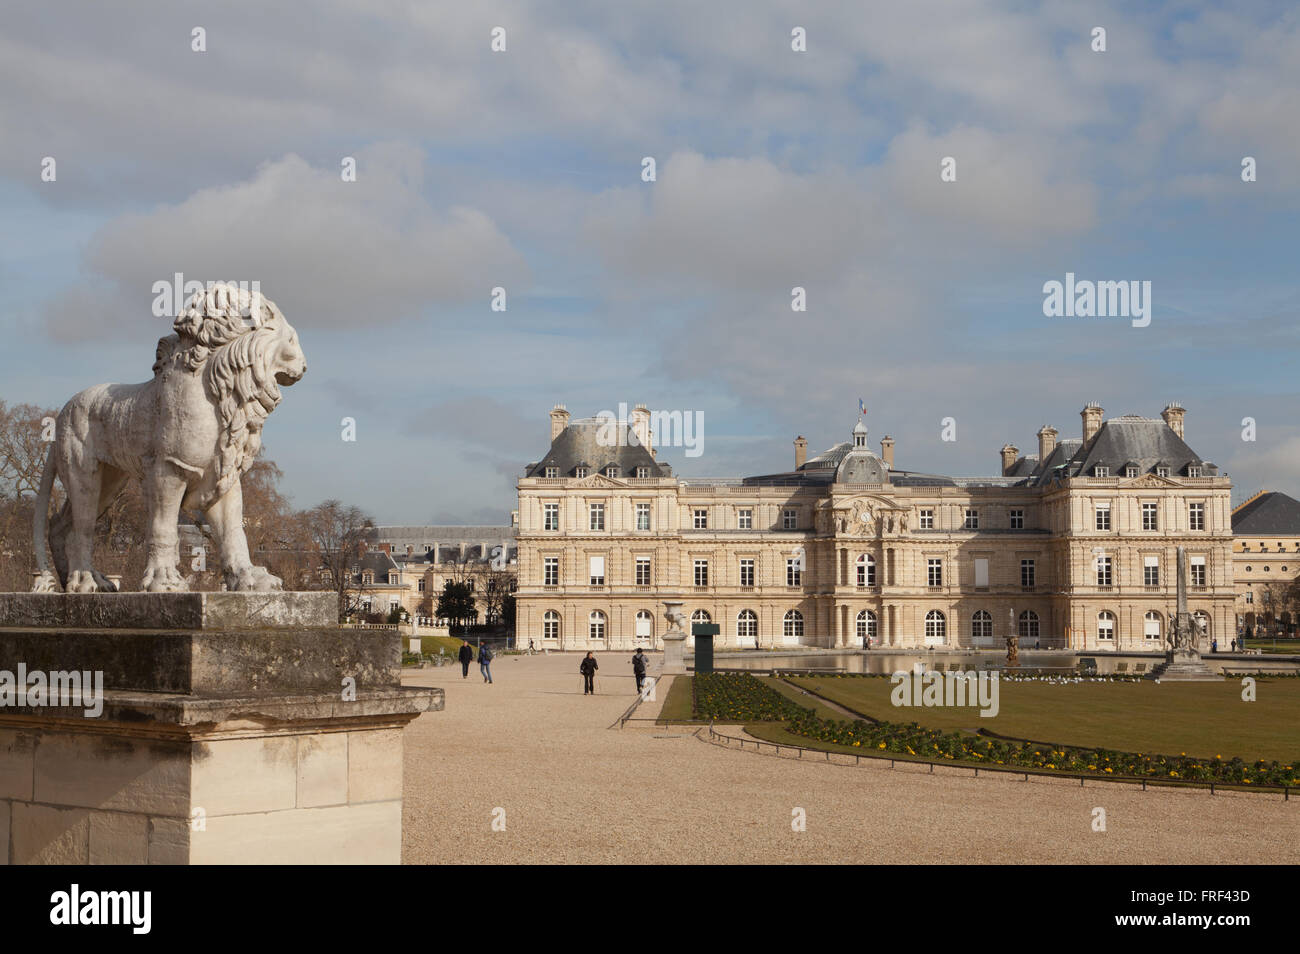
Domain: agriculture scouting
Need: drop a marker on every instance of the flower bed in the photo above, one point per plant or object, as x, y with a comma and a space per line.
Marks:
739, 697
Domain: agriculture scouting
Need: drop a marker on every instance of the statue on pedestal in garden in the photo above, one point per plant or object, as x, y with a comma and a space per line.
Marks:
188, 435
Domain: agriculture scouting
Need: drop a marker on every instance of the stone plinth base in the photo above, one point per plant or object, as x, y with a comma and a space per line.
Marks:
213, 745
1184, 667
674, 654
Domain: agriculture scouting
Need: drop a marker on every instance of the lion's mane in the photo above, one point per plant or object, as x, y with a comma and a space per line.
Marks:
228, 335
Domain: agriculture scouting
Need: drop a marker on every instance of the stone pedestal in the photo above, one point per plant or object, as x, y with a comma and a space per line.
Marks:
674, 640
232, 728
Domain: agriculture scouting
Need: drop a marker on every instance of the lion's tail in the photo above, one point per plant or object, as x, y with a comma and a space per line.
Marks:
41, 518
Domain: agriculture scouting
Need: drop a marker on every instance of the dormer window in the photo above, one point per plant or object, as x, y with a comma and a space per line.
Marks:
612, 470
552, 472
642, 472
580, 472
1193, 470
1162, 471
367, 578
1130, 471
1100, 470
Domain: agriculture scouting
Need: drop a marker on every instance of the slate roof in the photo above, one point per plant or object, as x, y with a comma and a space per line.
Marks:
1269, 514
579, 444
1144, 442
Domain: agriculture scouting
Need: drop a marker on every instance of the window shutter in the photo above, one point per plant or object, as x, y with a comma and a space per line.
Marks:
981, 572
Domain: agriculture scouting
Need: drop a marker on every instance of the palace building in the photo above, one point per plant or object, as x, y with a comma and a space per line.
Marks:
1073, 546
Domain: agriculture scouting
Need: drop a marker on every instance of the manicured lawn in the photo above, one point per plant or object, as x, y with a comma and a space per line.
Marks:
431, 644
1289, 647
677, 705
1200, 719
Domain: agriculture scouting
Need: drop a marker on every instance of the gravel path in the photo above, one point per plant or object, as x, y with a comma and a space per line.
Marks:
575, 791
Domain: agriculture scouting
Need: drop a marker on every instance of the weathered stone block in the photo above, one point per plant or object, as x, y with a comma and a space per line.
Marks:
169, 841
187, 611
374, 765
49, 836
117, 838
17, 750
113, 773
322, 769
234, 776
337, 835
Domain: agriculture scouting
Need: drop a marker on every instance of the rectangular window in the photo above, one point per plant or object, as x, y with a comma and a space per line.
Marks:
1193, 470
745, 519
1103, 516
420, 585
927, 519
551, 573
1017, 520
1198, 571
981, 573
642, 571
972, 520
1196, 516
1027, 574
1162, 471
598, 571
642, 473
935, 572
701, 572
552, 472
1151, 571
746, 572
597, 517
1103, 571
1149, 517
789, 519
1101, 470
793, 572
551, 516
701, 518
643, 516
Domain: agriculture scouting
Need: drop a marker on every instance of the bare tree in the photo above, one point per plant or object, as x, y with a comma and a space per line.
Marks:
338, 533
23, 449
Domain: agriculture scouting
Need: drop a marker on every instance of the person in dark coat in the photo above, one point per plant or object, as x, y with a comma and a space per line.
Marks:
466, 656
588, 670
485, 663
638, 668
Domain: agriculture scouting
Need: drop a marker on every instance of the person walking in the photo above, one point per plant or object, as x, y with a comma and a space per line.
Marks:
588, 670
485, 663
466, 656
638, 668
1214, 645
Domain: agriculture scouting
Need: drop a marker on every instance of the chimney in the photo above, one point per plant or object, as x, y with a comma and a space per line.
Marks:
800, 452
1091, 415
1046, 442
641, 426
1010, 454
887, 451
1173, 415
559, 420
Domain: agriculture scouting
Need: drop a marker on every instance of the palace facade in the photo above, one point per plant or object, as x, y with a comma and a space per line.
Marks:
1073, 546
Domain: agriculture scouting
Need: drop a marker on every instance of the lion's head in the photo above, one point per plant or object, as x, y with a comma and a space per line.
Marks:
246, 350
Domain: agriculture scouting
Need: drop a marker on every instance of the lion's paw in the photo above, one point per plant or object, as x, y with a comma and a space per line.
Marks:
255, 578
163, 579
47, 582
88, 581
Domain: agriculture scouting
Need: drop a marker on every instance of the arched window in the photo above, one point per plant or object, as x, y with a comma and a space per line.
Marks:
981, 625
551, 625
1106, 625
746, 625
701, 616
1151, 625
644, 624
936, 626
866, 570
867, 625
793, 625
1202, 619
1027, 626
596, 625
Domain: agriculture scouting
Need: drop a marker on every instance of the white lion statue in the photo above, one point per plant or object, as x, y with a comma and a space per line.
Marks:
188, 435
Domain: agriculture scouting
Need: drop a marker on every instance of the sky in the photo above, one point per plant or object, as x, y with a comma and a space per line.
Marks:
775, 168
